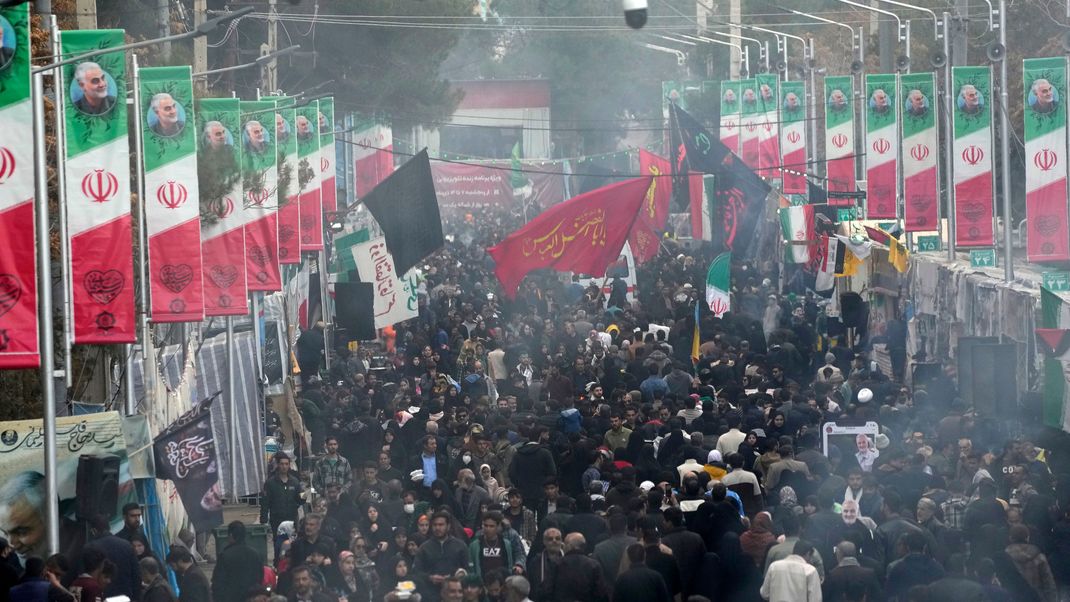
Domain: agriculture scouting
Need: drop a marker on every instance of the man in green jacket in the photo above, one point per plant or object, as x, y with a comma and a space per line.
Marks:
492, 549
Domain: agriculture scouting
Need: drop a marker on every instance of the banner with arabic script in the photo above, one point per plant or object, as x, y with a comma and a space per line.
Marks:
793, 136
22, 468
730, 114
18, 258
172, 192
645, 239
395, 298
222, 218
921, 200
260, 183
186, 455
882, 146
1044, 87
972, 156
98, 189
308, 151
289, 215
840, 136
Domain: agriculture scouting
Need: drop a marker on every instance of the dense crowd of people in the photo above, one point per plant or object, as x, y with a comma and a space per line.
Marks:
566, 446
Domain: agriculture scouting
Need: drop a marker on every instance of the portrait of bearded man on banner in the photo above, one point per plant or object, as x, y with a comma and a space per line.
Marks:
166, 118
917, 104
92, 90
750, 99
729, 99
791, 103
282, 129
970, 100
305, 129
255, 137
1043, 97
8, 42
837, 100
879, 102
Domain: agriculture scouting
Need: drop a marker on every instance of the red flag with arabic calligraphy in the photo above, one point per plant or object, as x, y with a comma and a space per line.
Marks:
584, 234
655, 210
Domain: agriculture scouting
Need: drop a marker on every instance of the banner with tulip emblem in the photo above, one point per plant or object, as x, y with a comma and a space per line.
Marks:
793, 136
98, 189
769, 130
1044, 83
18, 259
750, 118
972, 156
308, 152
260, 183
172, 218
840, 136
327, 167
882, 148
921, 206
289, 215
730, 115
219, 151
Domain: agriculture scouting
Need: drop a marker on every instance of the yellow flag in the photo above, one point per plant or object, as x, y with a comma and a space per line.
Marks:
897, 254
850, 263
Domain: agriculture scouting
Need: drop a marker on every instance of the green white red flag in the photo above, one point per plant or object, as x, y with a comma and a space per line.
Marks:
97, 179
797, 227
730, 115
840, 137
793, 136
921, 206
311, 198
972, 156
327, 166
172, 194
882, 146
769, 125
223, 219
260, 183
289, 214
719, 285
18, 258
1044, 83
373, 155
751, 115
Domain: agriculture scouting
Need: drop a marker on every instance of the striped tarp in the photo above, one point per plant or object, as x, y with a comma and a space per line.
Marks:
248, 474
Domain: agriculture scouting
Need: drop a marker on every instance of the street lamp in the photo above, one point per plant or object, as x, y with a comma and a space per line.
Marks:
260, 60
681, 58
744, 57
735, 36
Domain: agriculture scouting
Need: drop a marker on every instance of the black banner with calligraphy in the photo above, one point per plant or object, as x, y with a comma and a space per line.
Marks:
185, 454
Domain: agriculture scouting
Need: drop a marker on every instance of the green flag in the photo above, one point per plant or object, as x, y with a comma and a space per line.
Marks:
718, 284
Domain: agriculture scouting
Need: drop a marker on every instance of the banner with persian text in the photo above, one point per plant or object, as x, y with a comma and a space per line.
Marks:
469, 186
882, 146
260, 185
840, 137
395, 298
972, 156
730, 114
18, 258
98, 189
222, 216
921, 200
290, 177
793, 136
172, 219
1044, 83
311, 197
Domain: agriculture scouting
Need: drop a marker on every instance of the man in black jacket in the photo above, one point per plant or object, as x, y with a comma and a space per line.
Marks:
687, 547
238, 569
282, 495
640, 583
578, 577
193, 585
126, 581
439, 558
531, 466
850, 576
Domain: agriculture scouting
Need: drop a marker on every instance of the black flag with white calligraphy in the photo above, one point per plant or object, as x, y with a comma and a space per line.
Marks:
185, 454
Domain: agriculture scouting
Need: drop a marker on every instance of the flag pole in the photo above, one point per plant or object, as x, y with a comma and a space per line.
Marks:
44, 304
61, 217
142, 256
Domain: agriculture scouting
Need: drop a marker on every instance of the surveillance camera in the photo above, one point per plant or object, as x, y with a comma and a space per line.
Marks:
635, 13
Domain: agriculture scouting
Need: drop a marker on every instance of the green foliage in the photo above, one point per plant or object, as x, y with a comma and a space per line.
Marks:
304, 174
286, 174
217, 176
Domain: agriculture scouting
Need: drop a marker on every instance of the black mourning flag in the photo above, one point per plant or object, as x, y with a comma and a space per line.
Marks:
741, 194
354, 305
406, 208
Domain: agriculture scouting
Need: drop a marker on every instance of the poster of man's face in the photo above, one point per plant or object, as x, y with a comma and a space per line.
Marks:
791, 102
255, 137
767, 93
305, 129
215, 136
917, 103
837, 100
92, 90
20, 516
749, 97
729, 97
1043, 97
282, 128
324, 125
970, 100
166, 117
879, 102
8, 43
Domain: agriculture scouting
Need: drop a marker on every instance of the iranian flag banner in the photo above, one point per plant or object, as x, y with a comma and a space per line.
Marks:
921, 201
1053, 338
98, 189
373, 155
222, 216
793, 136
172, 194
289, 214
260, 183
1044, 82
18, 258
882, 147
750, 117
310, 201
719, 285
327, 166
972, 156
840, 136
769, 130
797, 227
730, 115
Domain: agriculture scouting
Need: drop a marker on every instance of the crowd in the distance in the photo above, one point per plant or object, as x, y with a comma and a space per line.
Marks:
563, 447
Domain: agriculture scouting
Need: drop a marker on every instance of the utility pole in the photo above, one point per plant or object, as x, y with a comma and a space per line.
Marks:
887, 35
86, 13
200, 45
959, 27
271, 69
163, 22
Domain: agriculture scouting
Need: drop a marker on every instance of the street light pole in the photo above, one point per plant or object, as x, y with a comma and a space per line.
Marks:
1005, 149
949, 182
